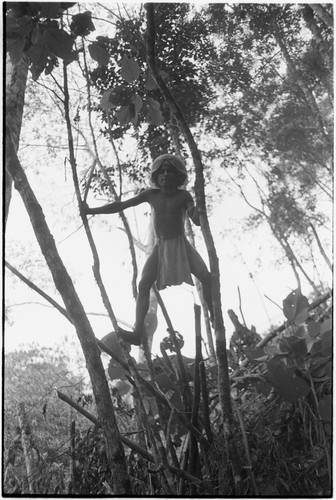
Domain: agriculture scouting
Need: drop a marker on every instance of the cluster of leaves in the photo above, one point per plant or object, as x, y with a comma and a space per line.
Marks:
127, 103
300, 357
40, 32
128, 87
30, 378
50, 475
33, 28
291, 422
269, 59
274, 100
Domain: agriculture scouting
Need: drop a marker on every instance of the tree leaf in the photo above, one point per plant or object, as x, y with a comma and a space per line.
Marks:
295, 307
314, 329
19, 27
255, 353
123, 387
121, 95
49, 9
82, 24
326, 326
130, 70
294, 345
272, 349
164, 75
39, 58
59, 43
130, 112
326, 338
99, 54
154, 112
285, 381
105, 101
262, 386
300, 332
316, 349
150, 82
115, 370
309, 343
125, 114
328, 369
36, 35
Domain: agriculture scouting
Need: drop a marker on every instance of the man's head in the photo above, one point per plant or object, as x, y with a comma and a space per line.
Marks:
172, 161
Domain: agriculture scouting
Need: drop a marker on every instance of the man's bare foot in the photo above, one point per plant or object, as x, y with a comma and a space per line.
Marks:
130, 337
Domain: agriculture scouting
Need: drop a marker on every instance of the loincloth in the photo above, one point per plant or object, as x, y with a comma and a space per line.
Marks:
173, 262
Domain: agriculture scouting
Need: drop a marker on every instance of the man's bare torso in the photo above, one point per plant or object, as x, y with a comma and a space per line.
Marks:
168, 211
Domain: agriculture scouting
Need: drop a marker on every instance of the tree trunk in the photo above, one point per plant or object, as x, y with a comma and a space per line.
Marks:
311, 101
310, 19
16, 78
27, 448
296, 261
72, 489
223, 373
114, 450
323, 14
319, 244
212, 353
174, 132
293, 260
121, 214
289, 256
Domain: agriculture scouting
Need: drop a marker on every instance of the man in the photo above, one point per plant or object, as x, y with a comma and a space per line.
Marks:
173, 259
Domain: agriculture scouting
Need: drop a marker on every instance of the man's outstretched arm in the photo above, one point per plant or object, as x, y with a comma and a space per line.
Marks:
116, 206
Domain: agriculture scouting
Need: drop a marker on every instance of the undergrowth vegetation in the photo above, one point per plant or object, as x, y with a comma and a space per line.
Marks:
281, 394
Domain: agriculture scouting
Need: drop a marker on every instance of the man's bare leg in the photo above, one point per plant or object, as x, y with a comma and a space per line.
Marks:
200, 270
142, 306
148, 277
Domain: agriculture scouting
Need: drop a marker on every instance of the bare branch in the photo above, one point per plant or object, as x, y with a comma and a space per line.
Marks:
34, 287
144, 453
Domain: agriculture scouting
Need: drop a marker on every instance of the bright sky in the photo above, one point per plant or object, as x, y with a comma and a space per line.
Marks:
240, 253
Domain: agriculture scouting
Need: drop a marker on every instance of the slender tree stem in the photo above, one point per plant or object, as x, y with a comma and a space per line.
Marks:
319, 244
223, 371
63, 283
112, 189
